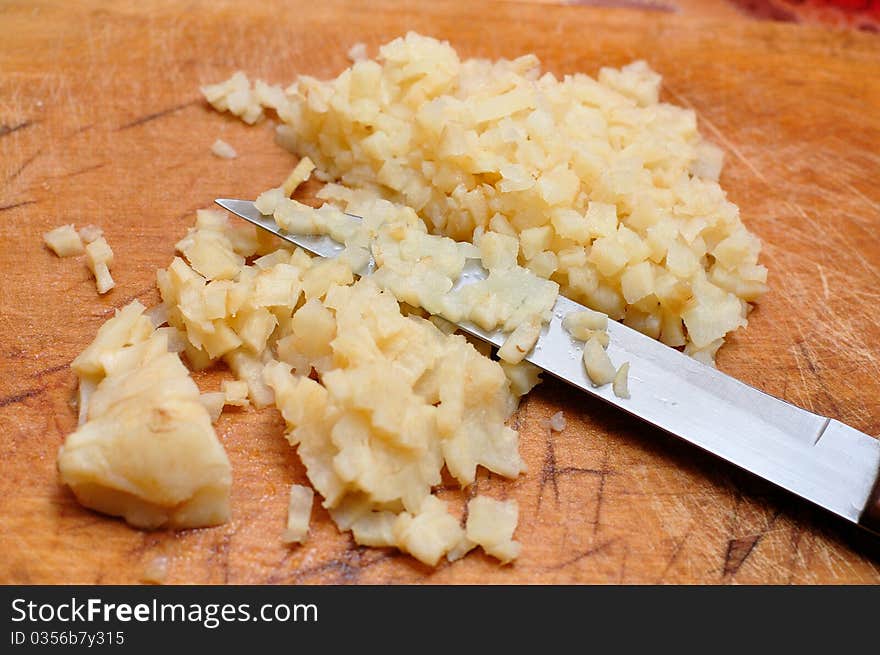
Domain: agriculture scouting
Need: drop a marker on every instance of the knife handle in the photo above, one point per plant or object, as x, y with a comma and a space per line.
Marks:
870, 517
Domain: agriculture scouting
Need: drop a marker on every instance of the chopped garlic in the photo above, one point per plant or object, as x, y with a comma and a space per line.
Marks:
586, 325
298, 175
459, 550
498, 251
398, 399
211, 254
375, 529
462, 383
583, 324
621, 381
421, 269
522, 377
223, 150
235, 393
429, 534
606, 190
128, 326
64, 241
177, 342
237, 96
90, 233
158, 315
83, 392
357, 52
249, 369
299, 513
557, 422
99, 257
147, 450
490, 524
213, 401
599, 368
709, 161
388, 413
156, 570
520, 342
268, 200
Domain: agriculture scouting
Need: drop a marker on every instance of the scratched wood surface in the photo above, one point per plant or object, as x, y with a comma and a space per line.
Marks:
102, 123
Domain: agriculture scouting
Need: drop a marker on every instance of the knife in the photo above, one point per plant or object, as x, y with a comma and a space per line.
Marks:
815, 457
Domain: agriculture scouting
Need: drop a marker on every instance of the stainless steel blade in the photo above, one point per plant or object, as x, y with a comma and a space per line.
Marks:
815, 457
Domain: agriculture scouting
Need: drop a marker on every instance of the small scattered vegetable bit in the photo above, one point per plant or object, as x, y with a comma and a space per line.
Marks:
621, 381
99, 257
557, 422
156, 570
299, 513
64, 241
600, 370
223, 150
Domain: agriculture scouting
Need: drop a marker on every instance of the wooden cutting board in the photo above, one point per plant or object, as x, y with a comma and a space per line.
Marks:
102, 123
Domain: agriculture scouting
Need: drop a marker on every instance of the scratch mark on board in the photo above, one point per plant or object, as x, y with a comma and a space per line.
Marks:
825, 292
346, 568
673, 557
796, 537
548, 472
589, 552
739, 549
50, 370
18, 397
4, 208
9, 129
600, 494
155, 115
873, 205
621, 575
808, 399
27, 162
219, 552
80, 171
644, 5
829, 227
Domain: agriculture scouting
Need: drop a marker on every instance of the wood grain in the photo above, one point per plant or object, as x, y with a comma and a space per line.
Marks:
101, 122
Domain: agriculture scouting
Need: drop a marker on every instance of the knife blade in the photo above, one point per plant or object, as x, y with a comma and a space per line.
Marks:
815, 457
